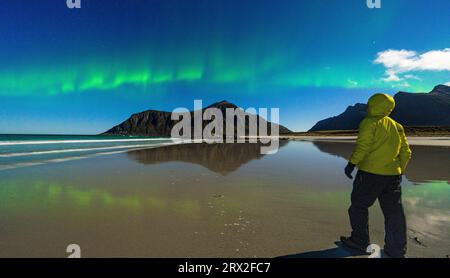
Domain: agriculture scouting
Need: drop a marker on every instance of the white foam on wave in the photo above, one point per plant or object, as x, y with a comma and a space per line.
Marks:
72, 150
72, 158
44, 142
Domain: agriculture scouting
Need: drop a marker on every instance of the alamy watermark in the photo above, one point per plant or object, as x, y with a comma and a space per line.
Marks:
210, 125
74, 251
73, 4
374, 4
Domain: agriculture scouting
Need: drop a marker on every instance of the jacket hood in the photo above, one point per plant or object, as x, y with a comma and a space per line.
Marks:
380, 105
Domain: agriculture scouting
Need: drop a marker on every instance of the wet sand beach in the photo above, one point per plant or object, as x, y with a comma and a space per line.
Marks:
203, 200
438, 141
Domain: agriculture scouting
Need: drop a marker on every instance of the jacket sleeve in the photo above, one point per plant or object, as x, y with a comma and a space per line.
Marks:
364, 142
405, 151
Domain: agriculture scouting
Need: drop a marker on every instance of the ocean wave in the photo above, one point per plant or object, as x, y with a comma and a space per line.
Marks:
72, 158
72, 150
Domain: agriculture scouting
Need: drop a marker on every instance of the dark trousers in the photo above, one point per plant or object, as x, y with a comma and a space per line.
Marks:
366, 189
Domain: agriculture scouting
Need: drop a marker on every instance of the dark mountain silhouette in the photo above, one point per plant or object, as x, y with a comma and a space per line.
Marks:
220, 158
412, 109
159, 123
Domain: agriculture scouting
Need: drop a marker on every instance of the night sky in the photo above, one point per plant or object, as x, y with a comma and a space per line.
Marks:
82, 71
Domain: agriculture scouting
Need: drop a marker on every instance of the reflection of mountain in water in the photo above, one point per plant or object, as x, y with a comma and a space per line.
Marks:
219, 158
428, 163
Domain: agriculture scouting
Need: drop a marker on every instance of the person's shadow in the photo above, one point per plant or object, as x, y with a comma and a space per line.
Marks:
338, 252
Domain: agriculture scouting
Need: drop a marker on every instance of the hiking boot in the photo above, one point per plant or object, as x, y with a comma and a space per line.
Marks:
391, 255
352, 244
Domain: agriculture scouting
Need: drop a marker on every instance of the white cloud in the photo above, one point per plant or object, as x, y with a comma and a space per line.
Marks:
400, 62
448, 83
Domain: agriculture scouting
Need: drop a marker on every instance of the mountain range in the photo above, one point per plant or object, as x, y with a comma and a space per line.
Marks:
412, 110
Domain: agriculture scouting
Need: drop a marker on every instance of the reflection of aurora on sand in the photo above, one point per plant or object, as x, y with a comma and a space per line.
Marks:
429, 209
34, 194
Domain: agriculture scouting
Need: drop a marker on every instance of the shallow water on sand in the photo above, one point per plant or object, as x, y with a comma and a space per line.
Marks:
210, 201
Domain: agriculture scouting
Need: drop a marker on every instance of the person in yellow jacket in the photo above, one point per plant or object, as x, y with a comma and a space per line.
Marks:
382, 154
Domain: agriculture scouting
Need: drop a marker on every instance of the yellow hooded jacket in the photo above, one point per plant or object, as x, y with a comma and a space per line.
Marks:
381, 147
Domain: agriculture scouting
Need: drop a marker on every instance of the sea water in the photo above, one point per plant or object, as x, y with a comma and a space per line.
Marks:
28, 150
